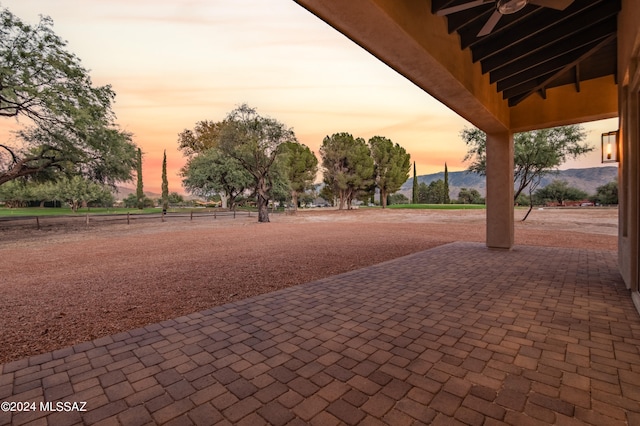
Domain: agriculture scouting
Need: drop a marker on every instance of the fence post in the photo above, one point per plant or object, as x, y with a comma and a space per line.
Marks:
37, 222
191, 218
87, 219
128, 218
234, 214
214, 214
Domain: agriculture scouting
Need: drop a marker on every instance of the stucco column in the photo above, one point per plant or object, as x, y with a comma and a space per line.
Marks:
500, 190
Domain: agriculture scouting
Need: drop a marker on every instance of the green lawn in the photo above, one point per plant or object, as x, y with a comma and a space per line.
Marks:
437, 206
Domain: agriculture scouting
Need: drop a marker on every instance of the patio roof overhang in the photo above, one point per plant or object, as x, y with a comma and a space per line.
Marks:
538, 68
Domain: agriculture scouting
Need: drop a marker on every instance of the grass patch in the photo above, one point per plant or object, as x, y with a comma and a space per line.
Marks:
438, 206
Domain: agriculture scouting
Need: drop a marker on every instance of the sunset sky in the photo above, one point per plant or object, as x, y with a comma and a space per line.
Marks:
173, 63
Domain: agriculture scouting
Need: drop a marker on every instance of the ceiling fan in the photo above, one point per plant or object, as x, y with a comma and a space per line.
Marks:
503, 7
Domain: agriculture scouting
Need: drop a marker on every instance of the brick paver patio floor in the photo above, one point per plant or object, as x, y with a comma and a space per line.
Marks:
458, 334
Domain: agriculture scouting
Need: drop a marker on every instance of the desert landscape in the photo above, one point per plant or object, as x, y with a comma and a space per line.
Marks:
63, 286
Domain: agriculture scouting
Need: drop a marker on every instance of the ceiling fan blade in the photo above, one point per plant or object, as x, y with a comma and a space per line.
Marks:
461, 7
491, 24
552, 4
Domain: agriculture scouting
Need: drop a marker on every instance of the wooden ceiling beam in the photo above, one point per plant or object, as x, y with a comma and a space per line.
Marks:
563, 34
547, 67
544, 21
517, 94
530, 60
543, 92
469, 33
457, 21
528, 87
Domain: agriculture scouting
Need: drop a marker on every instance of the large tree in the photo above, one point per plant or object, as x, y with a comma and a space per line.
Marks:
607, 194
348, 166
205, 135
77, 191
300, 166
255, 142
536, 153
559, 191
208, 172
392, 165
433, 193
70, 126
470, 196
211, 172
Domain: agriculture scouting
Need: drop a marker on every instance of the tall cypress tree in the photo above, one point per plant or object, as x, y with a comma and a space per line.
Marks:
447, 200
414, 195
139, 190
165, 184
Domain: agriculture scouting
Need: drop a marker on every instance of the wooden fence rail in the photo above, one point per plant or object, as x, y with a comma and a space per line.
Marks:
38, 222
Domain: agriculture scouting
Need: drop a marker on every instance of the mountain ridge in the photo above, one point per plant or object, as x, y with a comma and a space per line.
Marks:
586, 179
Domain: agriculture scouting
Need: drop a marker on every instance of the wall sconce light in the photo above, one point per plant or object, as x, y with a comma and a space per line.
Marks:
609, 147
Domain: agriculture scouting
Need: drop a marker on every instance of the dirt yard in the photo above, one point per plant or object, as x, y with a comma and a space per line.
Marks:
61, 287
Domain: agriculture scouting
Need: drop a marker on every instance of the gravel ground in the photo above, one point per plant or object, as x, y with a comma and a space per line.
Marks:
63, 286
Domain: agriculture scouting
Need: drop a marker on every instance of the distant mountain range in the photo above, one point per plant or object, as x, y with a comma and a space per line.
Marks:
587, 179
123, 192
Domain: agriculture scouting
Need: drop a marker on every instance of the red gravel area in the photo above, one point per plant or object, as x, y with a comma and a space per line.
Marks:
63, 287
